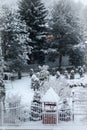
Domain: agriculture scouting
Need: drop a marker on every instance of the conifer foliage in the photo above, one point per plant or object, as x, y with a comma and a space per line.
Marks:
12, 48
65, 27
34, 14
36, 107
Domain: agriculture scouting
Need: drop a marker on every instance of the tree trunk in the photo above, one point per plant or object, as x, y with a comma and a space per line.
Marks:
19, 75
60, 60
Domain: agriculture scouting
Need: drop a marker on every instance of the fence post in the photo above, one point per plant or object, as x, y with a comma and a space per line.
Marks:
73, 106
2, 114
57, 115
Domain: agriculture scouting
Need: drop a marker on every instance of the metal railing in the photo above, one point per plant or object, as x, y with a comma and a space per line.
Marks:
13, 116
20, 115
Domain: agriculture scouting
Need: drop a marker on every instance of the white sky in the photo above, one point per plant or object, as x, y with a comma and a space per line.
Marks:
83, 1
12, 3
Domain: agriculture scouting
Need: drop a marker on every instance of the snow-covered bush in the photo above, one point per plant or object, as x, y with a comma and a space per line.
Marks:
35, 83
78, 85
59, 85
57, 74
2, 88
36, 107
72, 74
31, 72
65, 111
25, 114
53, 71
66, 74
84, 68
44, 73
76, 70
80, 71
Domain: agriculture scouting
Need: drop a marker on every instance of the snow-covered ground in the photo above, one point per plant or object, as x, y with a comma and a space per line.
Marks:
20, 88
39, 126
23, 89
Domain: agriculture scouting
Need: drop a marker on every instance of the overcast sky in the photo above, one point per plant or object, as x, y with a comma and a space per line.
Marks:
12, 3
83, 1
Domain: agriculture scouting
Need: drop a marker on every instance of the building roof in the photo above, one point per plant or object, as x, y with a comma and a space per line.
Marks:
50, 96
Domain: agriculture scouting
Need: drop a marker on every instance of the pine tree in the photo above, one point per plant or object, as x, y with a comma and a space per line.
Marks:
34, 14
11, 40
36, 107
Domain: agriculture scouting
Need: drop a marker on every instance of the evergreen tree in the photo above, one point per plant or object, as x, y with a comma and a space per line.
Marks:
65, 27
36, 107
34, 14
11, 40
35, 82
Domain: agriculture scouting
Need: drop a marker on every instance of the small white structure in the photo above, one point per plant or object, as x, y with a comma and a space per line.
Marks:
50, 96
50, 107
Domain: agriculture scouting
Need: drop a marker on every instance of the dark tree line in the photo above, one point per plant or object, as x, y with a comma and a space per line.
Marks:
66, 29
25, 35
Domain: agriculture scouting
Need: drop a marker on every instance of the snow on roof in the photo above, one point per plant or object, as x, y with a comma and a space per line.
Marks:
50, 96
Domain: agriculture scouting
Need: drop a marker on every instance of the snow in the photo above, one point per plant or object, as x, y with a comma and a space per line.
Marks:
60, 126
59, 85
34, 77
50, 96
10, 3
23, 88
78, 80
20, 88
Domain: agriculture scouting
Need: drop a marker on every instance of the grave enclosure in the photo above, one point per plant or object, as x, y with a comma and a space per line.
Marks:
51, 109
51, 112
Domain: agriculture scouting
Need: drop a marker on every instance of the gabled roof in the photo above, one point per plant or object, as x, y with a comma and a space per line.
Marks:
50, 96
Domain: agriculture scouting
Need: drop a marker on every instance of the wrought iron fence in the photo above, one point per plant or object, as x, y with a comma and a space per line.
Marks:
16, 115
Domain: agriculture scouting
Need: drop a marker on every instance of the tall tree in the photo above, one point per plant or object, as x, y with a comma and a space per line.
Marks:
65, 27
12, 48
34, 14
